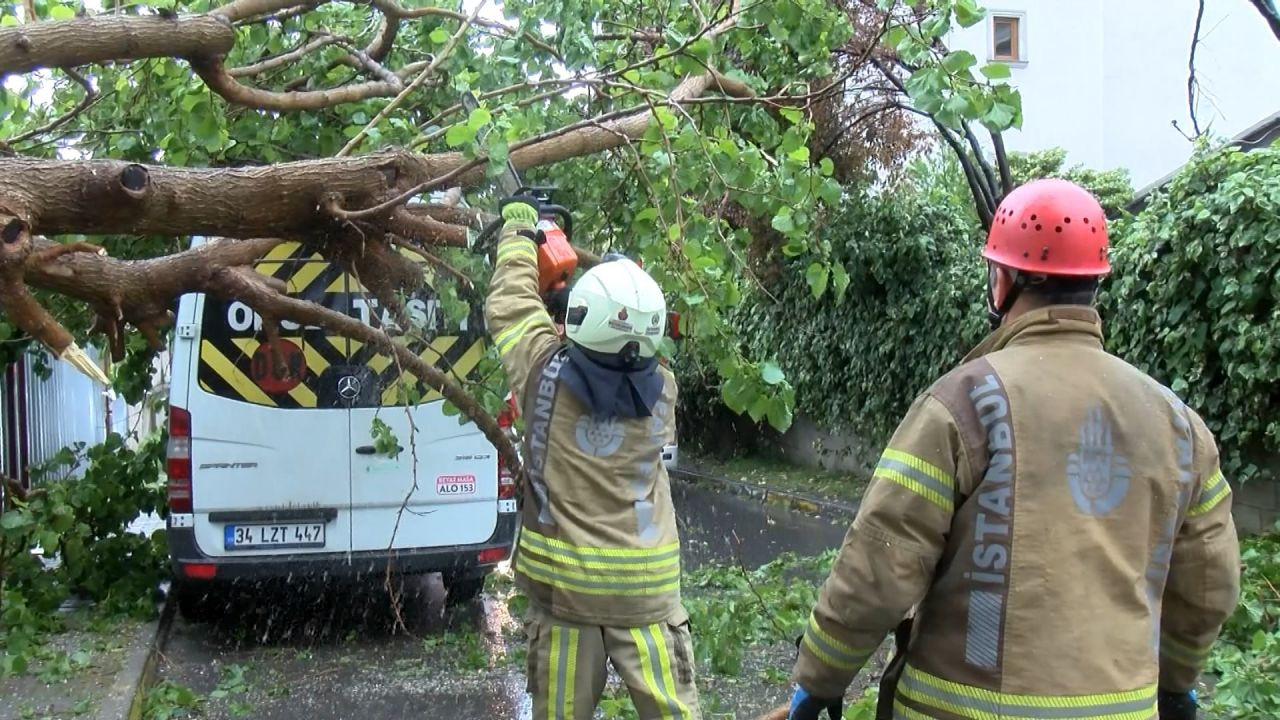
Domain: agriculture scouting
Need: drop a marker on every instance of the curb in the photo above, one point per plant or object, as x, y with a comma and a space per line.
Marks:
826, 509
129, 689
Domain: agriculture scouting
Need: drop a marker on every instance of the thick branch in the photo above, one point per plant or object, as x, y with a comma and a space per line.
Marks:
215, 75
107, 196
104, 38
1002, 160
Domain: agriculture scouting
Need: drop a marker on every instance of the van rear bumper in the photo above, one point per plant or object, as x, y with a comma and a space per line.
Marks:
450, 559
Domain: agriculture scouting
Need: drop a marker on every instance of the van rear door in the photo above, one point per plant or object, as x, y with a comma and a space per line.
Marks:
441, 488
270, 472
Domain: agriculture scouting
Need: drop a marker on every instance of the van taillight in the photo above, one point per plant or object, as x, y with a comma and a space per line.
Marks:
178, 460
506, 481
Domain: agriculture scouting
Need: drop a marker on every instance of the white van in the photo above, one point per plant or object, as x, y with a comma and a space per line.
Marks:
275, 474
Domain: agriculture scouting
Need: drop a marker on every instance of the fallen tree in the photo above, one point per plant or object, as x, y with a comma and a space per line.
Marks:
62, 174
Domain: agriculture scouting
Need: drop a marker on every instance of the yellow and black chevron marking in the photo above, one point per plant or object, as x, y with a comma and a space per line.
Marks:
226, 351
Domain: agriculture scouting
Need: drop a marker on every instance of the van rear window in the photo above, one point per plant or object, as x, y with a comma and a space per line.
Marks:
317, 368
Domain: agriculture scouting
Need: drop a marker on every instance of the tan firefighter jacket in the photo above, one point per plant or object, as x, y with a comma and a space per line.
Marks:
598, 542
1060, 520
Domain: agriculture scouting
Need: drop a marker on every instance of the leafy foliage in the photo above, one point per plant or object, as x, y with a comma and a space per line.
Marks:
82, 523
1193, 296
733, 609
912, 305
1247, 655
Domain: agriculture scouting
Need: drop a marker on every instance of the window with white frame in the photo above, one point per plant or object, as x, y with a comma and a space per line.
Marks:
1008, 37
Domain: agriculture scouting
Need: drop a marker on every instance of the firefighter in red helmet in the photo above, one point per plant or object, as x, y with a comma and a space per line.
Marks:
1052, 522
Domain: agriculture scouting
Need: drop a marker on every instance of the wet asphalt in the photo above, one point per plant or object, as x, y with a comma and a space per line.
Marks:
315, 652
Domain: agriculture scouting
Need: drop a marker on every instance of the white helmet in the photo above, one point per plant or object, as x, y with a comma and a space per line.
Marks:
615, 303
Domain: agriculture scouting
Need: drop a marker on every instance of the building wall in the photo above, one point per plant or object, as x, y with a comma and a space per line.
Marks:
1105, 78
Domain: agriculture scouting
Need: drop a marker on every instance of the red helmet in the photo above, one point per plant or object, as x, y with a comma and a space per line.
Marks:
1049, 227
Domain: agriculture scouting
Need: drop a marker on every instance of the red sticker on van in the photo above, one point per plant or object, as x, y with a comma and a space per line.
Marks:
278, 374
456, 485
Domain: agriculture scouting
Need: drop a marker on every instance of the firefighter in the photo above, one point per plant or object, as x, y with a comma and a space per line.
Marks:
598, 554
1056, 519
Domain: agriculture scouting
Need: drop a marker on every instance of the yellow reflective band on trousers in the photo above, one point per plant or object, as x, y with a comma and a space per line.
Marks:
926, 480
831, 651
509, 338
599, 571
1186, 655
655, 666
1214, 491
562, 670
929, 691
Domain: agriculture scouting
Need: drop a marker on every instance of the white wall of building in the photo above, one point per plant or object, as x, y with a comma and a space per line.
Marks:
1103, 79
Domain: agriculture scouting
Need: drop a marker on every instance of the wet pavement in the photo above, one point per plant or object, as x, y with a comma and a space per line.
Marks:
340, 651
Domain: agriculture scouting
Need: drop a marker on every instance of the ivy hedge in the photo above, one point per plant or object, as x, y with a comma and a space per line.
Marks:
1192, 300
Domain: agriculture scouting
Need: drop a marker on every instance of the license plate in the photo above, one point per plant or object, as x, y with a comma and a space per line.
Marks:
276, 535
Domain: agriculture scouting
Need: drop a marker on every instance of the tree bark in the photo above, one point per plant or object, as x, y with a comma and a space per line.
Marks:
105, 38
1267, 9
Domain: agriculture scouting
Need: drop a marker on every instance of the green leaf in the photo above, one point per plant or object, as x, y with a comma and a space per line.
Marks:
459, 135
817, 276
14, 519
61, 12
479, 118
826, 166
771, 373
997, 71
439, 36
783, 222
840, 279
958, 61
999, 117
895, 35
793, 115
780, 414
968, 13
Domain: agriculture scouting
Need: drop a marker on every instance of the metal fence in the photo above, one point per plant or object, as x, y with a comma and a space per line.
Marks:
41, 413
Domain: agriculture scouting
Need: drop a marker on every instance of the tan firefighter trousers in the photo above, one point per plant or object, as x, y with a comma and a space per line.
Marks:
567, 671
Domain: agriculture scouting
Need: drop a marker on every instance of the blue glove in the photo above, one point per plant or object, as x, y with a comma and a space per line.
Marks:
1178, 706
807, 707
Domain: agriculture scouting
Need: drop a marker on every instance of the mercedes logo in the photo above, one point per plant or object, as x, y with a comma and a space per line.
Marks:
349, 387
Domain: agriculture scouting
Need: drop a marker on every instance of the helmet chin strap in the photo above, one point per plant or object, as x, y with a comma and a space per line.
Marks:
995, 314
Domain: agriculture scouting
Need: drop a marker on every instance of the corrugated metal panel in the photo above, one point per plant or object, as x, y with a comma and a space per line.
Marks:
62, 409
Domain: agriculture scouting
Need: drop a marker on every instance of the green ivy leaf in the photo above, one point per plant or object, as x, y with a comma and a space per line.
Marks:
792, 115
61, 12
783, 222
439, 36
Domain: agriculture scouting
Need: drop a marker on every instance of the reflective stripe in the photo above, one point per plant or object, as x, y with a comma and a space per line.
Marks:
981, 704
1211, 494
1182, 653
667, 678
647, 648
522, 247
558, 668
596, 585
584, 554
509, 338
918, 476
629, 564
831, 651
902, 712
570, 674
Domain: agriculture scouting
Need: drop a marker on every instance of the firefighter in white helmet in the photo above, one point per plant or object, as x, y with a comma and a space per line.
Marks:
599, 554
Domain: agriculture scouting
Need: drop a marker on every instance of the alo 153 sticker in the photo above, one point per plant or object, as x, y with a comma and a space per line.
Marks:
456, 485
